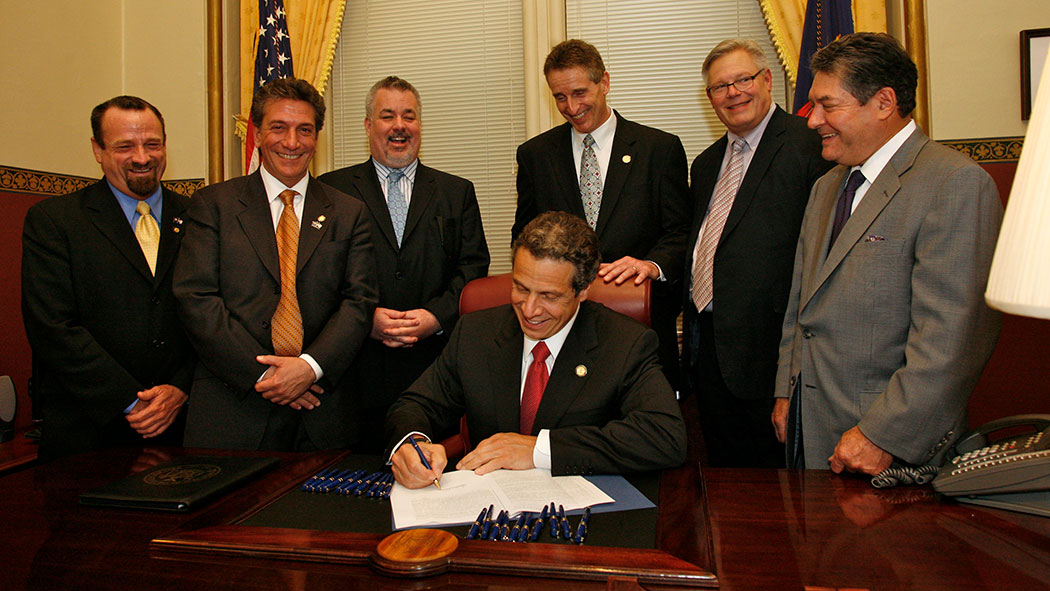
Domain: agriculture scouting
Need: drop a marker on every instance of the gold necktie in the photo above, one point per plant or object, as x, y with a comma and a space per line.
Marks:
148, 234
286, 329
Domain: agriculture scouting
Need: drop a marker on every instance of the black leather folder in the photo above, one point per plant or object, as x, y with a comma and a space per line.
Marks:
182, 484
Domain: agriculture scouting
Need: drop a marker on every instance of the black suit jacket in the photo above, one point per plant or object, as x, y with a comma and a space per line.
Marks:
101, 326
645, 206
753, 262
227, 280
443, 247
607, 404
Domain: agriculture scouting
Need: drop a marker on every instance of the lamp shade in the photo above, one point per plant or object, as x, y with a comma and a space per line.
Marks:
1019, 280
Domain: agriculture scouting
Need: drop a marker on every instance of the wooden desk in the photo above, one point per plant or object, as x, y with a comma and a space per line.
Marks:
778, 530
18, 452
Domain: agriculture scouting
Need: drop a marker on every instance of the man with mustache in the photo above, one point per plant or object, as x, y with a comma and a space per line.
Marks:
628, 181
111, 364
276, 283
428, 242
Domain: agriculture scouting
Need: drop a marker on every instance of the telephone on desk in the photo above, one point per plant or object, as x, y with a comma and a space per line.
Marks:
1010, 473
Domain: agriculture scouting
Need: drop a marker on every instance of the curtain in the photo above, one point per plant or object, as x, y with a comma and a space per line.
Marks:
313, 26
784, 18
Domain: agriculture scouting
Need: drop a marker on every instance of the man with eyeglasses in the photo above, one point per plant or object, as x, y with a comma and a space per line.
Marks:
750, 189
111, 363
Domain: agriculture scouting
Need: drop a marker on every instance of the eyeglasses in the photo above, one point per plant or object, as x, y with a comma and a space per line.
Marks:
742, 84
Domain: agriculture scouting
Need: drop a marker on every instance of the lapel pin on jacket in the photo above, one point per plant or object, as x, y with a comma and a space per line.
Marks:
581, 371
316, 224
178, 225
626, 159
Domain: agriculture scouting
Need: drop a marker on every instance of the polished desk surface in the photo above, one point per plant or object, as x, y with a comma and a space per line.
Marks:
780, 530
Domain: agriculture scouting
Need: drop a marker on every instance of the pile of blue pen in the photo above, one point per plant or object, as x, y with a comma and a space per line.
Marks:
528, 526
360, 483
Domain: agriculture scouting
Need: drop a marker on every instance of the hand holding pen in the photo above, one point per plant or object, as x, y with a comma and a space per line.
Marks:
418, 464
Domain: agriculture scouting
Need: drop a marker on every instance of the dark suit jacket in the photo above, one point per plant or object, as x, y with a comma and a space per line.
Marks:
620, 415
443, 248
227, 280
101, 326
752, 273
645, 205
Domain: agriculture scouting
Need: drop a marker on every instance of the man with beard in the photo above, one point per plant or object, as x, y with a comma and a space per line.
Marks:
428, 242
111, 364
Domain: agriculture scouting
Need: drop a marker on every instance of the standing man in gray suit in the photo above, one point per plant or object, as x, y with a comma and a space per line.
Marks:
886, 330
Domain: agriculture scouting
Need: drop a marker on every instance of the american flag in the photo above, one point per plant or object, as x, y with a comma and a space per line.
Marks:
826, 21
273, 60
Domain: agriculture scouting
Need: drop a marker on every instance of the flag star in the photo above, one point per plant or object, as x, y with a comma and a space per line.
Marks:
269, 70
262, 31
280, 35
281, 58
270, 20
280, 10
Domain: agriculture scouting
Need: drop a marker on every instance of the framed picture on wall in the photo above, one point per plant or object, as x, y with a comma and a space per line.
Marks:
1034, 45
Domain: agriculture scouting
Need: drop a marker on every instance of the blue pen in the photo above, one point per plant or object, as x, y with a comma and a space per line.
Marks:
316, 478
581, 530
366, 482
513, 535
494, 533
553, 515
333, 480
423, 459
377, 487
566, 534
487, 525
476, 526
523, 533
537, 526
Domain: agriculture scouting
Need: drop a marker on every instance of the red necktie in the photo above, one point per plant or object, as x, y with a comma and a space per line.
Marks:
535, 382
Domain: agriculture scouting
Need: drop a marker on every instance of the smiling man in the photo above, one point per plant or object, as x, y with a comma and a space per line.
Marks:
750, 187
548, 381
886, 330
628, 181
428, 242
276, 284
111, 363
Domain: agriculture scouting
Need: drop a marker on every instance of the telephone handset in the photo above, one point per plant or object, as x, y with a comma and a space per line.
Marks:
1014, 464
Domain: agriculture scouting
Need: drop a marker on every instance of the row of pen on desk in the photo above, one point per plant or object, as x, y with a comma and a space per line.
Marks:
360, 483
528, 526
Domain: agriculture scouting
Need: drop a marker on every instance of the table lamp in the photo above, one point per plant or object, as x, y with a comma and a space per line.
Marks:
1019, 280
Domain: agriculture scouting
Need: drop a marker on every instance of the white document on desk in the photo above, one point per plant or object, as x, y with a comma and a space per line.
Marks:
463, 494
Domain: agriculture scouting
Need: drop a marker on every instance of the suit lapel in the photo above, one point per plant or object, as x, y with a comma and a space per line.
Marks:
705, 188
620, 162
505, 372
563, 169
366, 183
257, 223
317, 209
105, 213
882, 190
170, 233
769, 144
565, 384
422, 196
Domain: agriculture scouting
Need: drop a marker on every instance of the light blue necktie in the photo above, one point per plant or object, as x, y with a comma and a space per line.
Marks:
395, 200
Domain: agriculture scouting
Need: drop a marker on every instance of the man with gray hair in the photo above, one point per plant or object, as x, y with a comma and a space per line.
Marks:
749, 188
428, 243
548, 381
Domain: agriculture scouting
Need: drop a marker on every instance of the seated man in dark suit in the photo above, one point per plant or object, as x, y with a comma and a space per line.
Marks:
111, 363
607, 407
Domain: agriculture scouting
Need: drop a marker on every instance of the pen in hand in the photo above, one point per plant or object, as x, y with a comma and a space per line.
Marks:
423, 459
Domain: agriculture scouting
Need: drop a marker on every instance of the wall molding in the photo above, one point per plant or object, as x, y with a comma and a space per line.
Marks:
22, 180
1006, 149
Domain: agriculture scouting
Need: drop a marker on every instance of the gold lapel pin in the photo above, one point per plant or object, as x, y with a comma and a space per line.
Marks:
581, 371
316, 225
321, 218
626, 159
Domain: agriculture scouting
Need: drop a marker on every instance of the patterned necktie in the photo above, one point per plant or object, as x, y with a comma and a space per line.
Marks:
535, 382
590, 182
395, 199
721, 204
844, 207
286, 328
148, 234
